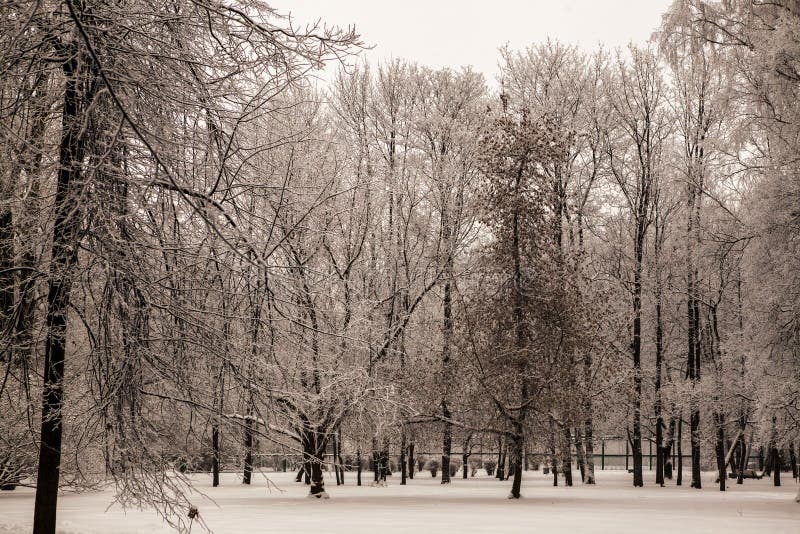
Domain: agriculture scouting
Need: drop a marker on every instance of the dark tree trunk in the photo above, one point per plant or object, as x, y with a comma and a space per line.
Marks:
695, 429
668, 454
553, 457
636, 344
694, 190
64, 255
403, 471
411, 460
335, 461
315, 446
660, 460
679, 480
518, 443
376, 460
6, 265
215, 456
719, 419
588, 424
339, 456
358, 467
447, 443
793, 461
317, 483
500, 473
567, 461
776, 467
383, 461
744, 457
579, 454
589, 444
248, 449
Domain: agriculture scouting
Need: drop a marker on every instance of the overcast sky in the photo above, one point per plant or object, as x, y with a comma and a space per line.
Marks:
455, 33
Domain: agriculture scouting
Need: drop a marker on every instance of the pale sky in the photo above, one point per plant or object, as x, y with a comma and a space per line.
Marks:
455, 33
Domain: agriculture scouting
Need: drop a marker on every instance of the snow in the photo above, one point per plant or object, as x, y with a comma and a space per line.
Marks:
464, 506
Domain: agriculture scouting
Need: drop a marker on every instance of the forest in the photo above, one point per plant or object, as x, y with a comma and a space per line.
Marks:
211, 260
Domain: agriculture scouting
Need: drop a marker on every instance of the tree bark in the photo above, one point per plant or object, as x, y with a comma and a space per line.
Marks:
719, 419
567, 453
411, 460
248, 449
64, 256
657, 408
679, 479
518, 443
589, 444
358, 467
403, 471
447, 442
579, 454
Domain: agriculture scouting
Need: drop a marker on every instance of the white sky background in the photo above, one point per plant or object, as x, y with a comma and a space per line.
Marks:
453, 33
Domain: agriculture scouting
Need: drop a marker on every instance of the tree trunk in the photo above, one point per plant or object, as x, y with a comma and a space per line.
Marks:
376, 460
660, 460
588, 423
358, 467
215, 456
567, 460
636, 344
693, 330
589, 444
465, 453
335, 462
6, 265
695, 429
403, 471
411, 460
316, 446
447, 442
500, 459
719, 419
384, 460
339, 456
743, 459
579, 454
248, 449
64, 255
518, 442
679, 480
447, 334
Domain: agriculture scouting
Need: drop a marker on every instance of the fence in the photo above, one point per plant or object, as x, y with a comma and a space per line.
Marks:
610, 453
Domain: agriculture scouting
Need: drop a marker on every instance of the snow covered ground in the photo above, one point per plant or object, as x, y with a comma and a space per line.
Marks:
471, 506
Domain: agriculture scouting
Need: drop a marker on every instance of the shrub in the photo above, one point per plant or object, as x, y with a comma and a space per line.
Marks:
474, 465
489, 465
433, 467
455, 465
421, 460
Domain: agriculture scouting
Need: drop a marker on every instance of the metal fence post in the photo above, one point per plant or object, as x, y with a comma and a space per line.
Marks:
602, 454
626, 454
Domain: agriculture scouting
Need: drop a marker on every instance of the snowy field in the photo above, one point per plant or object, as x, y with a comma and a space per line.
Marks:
475, 505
